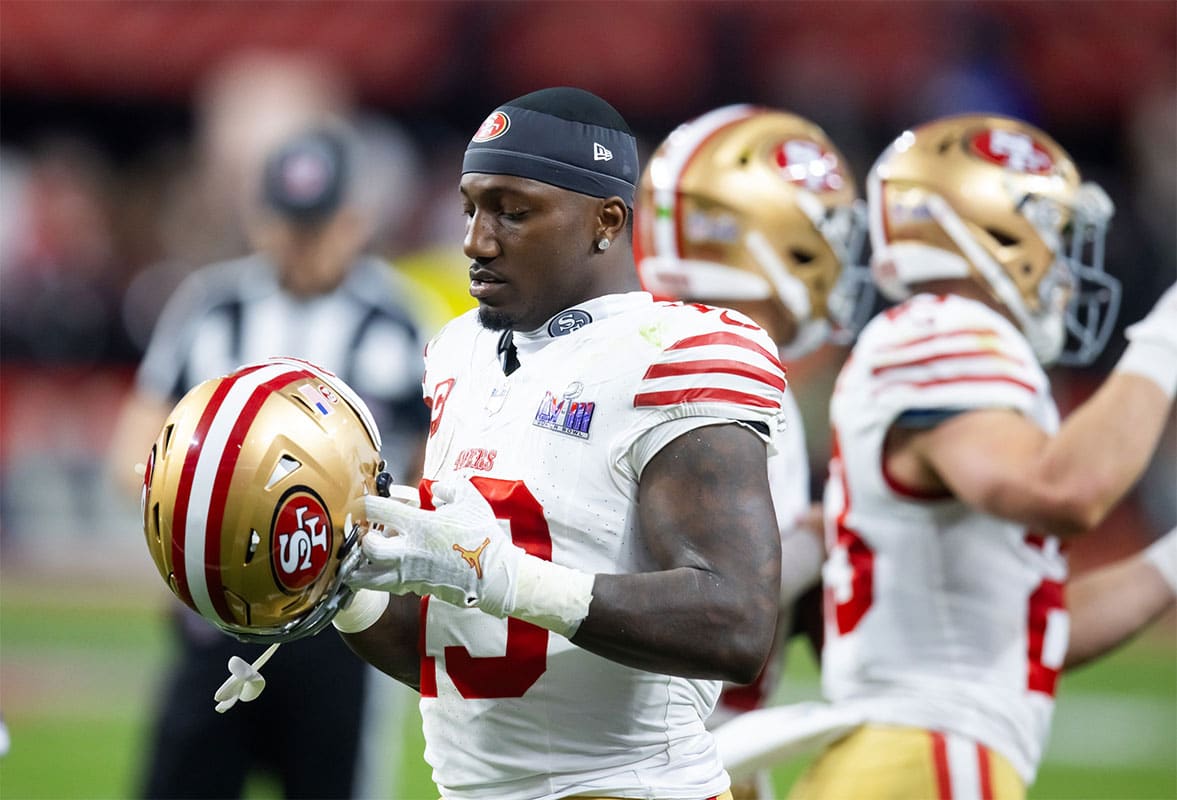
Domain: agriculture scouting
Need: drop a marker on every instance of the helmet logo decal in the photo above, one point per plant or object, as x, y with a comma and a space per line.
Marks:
805, 163
492, 127
317, 394
301, 540
1012, 149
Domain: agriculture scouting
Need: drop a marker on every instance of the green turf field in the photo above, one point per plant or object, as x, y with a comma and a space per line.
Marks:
78, 672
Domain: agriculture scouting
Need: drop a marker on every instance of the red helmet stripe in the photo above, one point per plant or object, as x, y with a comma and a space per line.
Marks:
184, 492
201, 522
224, 478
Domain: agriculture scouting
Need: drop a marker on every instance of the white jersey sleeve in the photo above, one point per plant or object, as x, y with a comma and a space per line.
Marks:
511, 710
937, 615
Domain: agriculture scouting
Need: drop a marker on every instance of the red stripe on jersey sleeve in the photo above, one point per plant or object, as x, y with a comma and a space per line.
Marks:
702, 394
943, 335
916, 362
714, 365
729, 338
963, 379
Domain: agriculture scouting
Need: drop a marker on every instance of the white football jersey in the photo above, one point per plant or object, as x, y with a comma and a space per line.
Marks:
936, 615
512, 710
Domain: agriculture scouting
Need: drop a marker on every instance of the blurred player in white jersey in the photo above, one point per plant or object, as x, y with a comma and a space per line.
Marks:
953, 485
756, 210
596, 548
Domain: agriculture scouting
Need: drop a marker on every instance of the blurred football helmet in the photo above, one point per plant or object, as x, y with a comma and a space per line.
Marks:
251, 493
996, 200
750, 204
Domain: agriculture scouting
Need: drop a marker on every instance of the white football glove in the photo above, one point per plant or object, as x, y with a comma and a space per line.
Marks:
1152, 344
245, 681
458, 553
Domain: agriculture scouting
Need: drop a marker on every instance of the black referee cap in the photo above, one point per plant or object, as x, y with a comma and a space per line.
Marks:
306, 178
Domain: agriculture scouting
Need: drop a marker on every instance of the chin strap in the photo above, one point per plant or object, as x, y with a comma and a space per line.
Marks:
245, 681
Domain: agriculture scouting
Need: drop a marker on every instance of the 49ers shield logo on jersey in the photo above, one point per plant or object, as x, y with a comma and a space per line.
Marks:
300, 539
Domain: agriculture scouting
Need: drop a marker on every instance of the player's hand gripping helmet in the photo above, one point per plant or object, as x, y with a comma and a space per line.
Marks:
750, 204
997, 200
251, 493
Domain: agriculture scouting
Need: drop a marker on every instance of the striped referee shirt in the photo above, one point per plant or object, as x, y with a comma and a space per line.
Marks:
235, 312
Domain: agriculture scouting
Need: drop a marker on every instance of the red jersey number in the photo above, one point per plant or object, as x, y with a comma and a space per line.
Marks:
526, 655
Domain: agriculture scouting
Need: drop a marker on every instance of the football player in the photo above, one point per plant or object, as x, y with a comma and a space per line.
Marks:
756, 210
596, 547
953, 483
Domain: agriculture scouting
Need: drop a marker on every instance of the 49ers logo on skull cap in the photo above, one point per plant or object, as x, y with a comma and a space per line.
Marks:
300, 540
492, 127
1012, 149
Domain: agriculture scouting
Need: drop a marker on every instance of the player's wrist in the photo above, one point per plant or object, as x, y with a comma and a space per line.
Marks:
551, 595
1162, 554
1151, 358
367, 606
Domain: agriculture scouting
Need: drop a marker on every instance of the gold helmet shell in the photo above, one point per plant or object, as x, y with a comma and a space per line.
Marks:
995, 200
746, 203
251, 493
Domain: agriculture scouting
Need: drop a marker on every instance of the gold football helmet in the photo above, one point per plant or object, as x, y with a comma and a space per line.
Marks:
250, 497
996, 200
748, 204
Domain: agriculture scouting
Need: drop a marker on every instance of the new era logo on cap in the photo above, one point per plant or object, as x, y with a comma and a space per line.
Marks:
601, 153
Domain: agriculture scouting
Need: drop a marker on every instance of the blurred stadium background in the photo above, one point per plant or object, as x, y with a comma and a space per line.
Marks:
124, 128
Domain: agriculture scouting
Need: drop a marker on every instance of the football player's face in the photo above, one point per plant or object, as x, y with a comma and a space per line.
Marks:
530, 246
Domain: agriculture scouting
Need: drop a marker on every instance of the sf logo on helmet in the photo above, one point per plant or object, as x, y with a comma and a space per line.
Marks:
301, 540
1014, 150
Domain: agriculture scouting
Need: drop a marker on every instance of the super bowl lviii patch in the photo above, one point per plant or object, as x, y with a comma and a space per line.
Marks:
565, 415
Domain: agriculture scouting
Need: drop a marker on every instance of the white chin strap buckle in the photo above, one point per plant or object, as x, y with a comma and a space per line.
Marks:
245, 681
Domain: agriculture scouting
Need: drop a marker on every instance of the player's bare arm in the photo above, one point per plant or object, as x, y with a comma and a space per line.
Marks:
1000, 462
390, 644
1111, 604
707, 520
